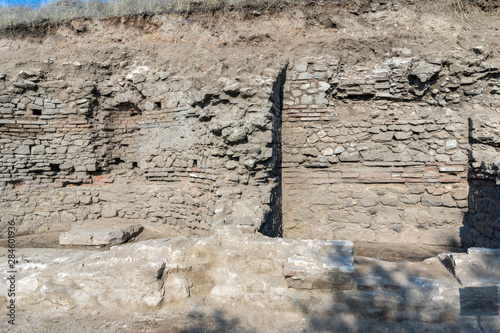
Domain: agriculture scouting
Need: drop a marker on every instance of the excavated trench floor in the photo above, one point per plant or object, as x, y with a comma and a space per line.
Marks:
221, 322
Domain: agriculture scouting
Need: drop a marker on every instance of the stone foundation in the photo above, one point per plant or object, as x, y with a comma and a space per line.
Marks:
394, 152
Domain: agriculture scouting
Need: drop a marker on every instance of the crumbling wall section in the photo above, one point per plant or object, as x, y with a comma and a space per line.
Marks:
375, 153
482, 221
380, 153
84, 141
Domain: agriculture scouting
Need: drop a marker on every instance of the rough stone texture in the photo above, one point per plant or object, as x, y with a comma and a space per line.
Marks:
377, 123
328, 142
373, 156
482, 221
100, 236
163, 149
236, 266
379, 158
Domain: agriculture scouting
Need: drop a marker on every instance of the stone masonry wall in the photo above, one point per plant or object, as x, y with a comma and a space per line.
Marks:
381, 153
402, 151
84, 141
482, 221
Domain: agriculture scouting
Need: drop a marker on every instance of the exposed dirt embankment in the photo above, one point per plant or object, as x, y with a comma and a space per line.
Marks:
253, 40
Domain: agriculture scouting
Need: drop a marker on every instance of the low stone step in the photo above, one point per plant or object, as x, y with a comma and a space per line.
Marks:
100, 236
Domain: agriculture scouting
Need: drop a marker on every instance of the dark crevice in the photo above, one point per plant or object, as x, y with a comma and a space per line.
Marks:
373, 97
481, 222
55, 168
129, 107
273, 222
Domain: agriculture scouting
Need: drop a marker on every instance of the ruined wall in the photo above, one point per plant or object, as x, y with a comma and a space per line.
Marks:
380, 153
83, 141
482, 221
385, 152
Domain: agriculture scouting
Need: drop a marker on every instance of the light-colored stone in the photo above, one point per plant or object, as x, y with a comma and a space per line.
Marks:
100, 236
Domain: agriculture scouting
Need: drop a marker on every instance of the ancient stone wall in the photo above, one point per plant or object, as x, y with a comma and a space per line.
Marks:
482, 221
102, 140
385, 152
380, 153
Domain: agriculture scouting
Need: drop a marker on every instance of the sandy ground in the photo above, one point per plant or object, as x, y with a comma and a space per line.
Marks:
220, 322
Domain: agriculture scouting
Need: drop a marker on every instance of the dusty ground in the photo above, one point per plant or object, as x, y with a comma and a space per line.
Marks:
220, 322
227, 43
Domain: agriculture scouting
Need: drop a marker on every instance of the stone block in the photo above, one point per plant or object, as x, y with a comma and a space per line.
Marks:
402, 135
67, 217
327, 151
108, 211
389, 200
23, 150
424, 70
350, 156
370, 200
38, 150
300, 66
430, 200
97, 236
310, 152
460, 194
383, 137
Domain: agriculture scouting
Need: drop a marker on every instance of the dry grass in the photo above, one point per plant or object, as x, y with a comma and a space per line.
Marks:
54, 11
462, 8
61, 10
459, 7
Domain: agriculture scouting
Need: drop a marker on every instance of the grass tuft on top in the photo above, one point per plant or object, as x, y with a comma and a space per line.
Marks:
54, 11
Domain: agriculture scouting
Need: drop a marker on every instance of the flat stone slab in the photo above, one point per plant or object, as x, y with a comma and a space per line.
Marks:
234, 266
479, 267
100, 236
230, 266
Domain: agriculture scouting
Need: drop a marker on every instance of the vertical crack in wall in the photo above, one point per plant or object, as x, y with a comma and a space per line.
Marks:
466, 238
273, 222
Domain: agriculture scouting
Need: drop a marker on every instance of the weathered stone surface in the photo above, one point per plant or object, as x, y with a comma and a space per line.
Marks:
184, 141
100, 236
108, 211
424, 70
354, 141
224, 267
232, 265
431, 200
350, 156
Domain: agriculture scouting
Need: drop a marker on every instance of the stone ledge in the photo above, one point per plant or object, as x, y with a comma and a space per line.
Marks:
100, 236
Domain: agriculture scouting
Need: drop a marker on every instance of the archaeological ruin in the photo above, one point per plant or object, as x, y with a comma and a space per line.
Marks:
313, 149
258, 161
